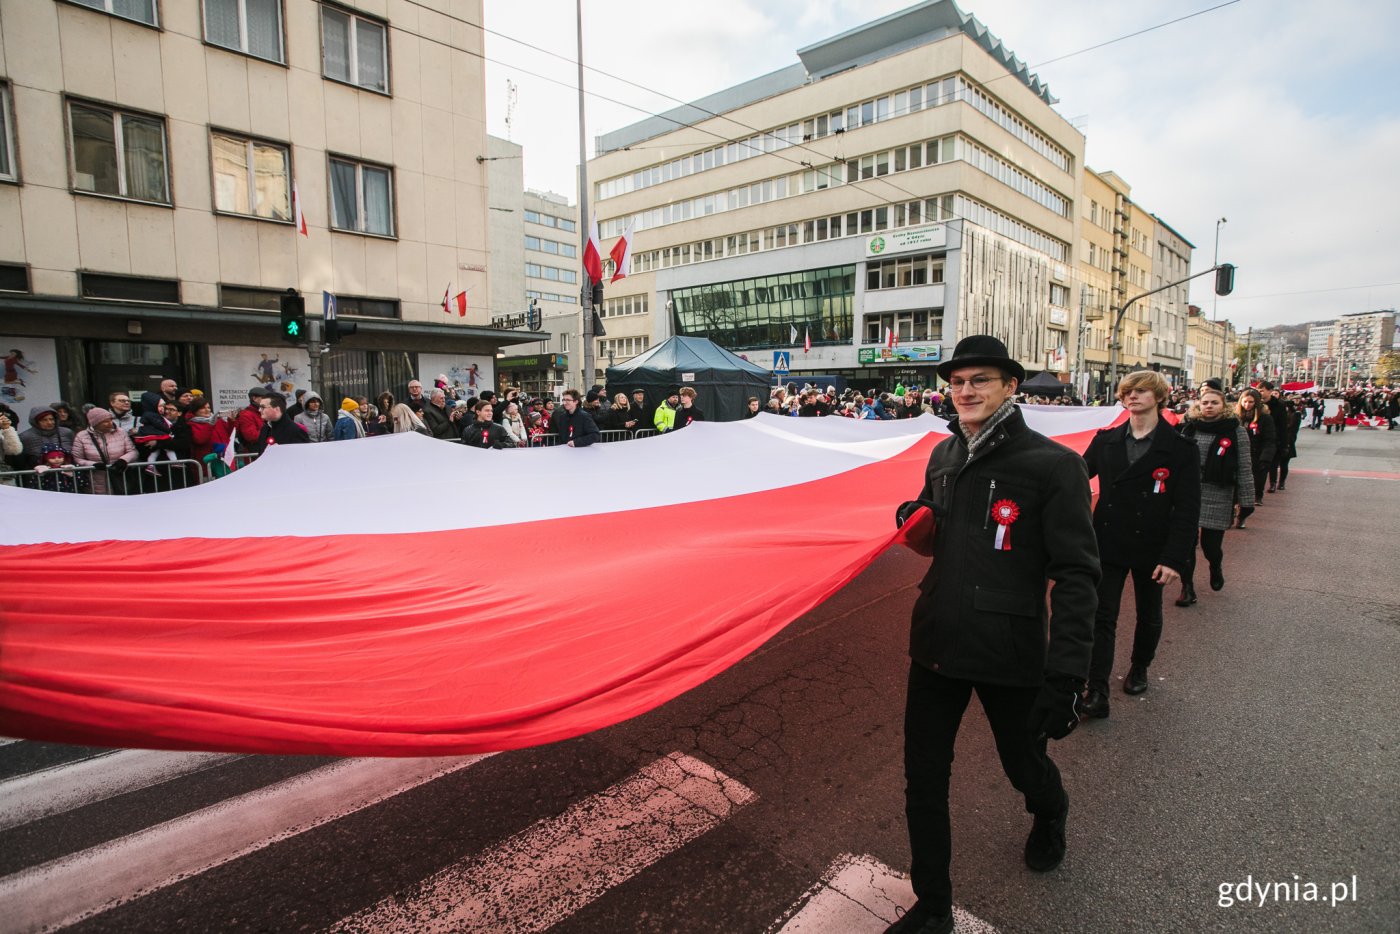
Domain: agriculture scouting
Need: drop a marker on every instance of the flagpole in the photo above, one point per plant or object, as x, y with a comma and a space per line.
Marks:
586, 296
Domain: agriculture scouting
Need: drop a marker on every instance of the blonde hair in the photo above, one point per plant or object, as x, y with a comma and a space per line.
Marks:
1145, 379
687, 391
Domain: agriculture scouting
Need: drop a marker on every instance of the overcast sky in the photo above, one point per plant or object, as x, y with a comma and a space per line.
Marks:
1282, 116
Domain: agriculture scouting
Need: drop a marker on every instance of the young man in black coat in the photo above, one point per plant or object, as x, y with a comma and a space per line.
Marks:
483, 432
1145, 522
1014, 515
573, 426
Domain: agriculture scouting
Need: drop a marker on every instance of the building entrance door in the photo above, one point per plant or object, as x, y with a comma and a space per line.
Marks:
131, 368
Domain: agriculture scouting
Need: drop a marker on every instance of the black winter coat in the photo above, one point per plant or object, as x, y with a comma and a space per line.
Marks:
1263, 440
282, 431
981, 614
1136, 527
578, 428
486, 435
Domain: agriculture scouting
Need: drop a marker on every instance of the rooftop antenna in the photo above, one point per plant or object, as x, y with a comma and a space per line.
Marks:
512, 96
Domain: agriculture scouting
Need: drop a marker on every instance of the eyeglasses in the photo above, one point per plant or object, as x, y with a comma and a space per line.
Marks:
977, 382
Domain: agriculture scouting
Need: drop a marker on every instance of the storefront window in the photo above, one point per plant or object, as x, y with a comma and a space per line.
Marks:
764, 311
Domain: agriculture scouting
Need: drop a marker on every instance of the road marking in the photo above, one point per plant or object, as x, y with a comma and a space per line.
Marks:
72, 785
67, 890
858, 894
1330, 472
550, 870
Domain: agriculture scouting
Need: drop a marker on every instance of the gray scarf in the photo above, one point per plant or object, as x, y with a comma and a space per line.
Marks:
999, 416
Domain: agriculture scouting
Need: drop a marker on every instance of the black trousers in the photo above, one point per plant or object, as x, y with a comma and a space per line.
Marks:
1283, 471
1147, 594
1261, 473
932, 714
1212, 546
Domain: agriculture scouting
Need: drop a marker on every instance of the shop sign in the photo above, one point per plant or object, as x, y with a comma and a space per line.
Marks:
549, 361
927, 237
1059, 316
910, 354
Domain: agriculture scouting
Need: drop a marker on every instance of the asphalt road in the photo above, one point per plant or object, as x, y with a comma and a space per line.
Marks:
1267, 749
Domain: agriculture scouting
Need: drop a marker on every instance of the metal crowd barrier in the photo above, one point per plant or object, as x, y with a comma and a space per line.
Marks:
68, 479
546, 440
615, 435
645, 433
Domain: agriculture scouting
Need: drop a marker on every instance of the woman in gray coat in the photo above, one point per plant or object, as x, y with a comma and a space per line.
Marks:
1227, 477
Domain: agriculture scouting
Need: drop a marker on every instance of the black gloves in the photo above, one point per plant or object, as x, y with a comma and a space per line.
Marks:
906, 511
1055, 712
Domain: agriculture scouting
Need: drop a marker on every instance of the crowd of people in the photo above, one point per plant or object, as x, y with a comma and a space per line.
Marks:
175, 434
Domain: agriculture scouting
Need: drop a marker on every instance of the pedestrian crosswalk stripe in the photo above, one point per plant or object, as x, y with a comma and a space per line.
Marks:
550, 870
860, 894
63, 788
69, 889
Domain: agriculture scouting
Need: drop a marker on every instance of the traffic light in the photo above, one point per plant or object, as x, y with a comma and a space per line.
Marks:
1224, 279
293, 318
336, 329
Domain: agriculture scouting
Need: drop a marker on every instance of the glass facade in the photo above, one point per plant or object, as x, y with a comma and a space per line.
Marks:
763, 311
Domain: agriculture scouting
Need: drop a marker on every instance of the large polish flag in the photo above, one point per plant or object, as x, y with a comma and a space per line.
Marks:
592, 258
622, 252
417, 616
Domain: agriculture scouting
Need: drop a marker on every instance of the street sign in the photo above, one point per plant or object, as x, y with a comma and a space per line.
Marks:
782, 360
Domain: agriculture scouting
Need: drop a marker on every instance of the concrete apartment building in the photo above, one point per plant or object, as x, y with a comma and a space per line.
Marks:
147, 219
907, 177
1171, 262
1322, 340
1210, 347
1361, 339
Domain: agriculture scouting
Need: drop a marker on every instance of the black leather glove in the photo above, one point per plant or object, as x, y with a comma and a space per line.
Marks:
1055, 712
906, 511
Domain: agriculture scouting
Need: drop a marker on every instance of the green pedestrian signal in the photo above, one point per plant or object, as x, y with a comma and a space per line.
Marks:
293, 317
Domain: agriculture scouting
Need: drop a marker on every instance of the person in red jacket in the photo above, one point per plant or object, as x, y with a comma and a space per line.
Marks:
249, 422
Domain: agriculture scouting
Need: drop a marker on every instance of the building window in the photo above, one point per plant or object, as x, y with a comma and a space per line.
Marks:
142, 11
249, 297
251, 177
761, 312
14, 277
1059, 295
118, 153
367, 307
253, 27
130, 288
8, 170
354, 50
907, 326
904, 272
362, 198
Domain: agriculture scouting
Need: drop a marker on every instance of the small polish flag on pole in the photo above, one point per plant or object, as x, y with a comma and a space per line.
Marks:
792, 338
622, 252
296, 209
445, 293
592, 259
807, 340
461, 301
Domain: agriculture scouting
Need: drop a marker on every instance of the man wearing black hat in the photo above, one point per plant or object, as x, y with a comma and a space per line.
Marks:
1013, 512
665, 417
637, 411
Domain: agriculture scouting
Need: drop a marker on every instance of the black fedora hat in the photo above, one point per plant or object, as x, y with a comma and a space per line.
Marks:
981, 350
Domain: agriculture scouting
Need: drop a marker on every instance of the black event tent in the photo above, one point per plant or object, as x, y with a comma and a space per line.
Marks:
1043, 384
722, 381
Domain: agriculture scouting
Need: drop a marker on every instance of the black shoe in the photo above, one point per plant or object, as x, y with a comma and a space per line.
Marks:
1273, 489
1240, 524
1188, 595
1045, 847
1280, 488
1136, 682
919, 920
1217, 577
1095, 704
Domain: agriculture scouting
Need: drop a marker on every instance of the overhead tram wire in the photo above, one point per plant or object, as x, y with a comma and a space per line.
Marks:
680, 124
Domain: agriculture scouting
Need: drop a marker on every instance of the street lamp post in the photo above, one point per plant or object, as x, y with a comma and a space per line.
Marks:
1215, 307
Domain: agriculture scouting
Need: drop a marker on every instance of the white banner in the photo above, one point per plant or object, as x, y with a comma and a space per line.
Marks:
31, 374
466, 375
235, 370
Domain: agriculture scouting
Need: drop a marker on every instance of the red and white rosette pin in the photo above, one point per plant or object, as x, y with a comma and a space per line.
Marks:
1224, 446
1004, 512
1160, 475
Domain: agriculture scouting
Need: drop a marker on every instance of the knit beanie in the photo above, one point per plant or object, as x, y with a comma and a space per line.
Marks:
348, 405
97, 416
